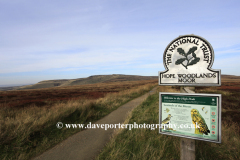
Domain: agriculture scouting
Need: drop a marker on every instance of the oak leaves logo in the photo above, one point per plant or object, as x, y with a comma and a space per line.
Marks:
189, 59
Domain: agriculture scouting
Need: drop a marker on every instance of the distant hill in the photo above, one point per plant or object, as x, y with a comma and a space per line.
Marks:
96, 79
9, 88
230, 77
88, 80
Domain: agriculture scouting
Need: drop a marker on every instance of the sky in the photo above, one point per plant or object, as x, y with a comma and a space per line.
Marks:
60, 39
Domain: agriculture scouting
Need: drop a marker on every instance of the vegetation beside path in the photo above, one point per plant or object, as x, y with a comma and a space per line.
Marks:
27, 132
147, 144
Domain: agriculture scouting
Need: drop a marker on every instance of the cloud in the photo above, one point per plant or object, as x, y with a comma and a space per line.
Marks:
113, 36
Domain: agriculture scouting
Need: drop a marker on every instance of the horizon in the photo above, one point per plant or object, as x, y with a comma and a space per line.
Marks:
25, 84
48, 40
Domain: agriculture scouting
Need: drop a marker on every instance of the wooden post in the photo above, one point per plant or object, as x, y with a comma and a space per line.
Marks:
187, 146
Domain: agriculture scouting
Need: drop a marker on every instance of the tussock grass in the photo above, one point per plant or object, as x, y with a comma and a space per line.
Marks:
149, 144
27, 132
143, 143
228, 149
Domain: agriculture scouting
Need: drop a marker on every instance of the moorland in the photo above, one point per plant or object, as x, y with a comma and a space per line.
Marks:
28, 117
149, 144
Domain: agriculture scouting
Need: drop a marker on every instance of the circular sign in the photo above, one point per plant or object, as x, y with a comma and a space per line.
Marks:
187, 52
188, 60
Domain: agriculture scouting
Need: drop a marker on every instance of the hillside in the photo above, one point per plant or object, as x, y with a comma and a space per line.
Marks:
96, 79
230, 78
88, 80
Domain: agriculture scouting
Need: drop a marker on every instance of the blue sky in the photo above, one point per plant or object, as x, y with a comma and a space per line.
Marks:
57, 39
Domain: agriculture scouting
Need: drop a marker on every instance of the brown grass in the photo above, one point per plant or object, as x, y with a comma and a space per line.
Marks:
142, 143
49, 96
25, 130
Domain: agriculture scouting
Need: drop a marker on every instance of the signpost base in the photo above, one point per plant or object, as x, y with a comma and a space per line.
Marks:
187, 149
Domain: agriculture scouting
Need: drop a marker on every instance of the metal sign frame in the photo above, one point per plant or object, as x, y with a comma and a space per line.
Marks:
195, 95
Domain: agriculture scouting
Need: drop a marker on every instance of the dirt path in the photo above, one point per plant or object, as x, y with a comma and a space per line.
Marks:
87, 144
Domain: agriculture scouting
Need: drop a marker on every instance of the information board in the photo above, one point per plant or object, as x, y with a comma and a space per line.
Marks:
195, 116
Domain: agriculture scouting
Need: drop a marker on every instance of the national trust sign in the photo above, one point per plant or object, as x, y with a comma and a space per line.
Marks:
188, 60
